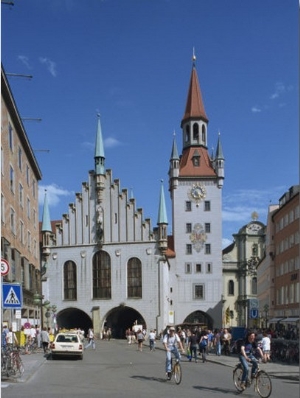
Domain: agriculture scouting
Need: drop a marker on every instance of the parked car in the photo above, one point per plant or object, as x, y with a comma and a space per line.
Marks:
67, 344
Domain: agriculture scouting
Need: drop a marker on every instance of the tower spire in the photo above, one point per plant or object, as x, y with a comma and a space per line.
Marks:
194, 104
99, 150
46, 223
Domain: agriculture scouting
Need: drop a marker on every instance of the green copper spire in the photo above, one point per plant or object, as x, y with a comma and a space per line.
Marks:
219, 151
99, 150
46, 223
162, 212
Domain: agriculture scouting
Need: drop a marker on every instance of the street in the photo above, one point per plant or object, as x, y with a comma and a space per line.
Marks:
116, 369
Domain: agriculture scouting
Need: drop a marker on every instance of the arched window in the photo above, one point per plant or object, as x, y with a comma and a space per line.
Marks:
70, 281
196, 132
230, 288
203, 135
101, 276
134, 278
187, 133
254, 286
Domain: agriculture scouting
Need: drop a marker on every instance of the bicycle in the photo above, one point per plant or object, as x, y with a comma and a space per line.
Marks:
11, 362
176, 371
262, 381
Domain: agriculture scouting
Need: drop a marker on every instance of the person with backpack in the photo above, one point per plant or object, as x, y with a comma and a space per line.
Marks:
171, 341
203, 346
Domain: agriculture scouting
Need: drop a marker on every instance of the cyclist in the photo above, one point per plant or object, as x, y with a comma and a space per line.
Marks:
246, 356
170, 341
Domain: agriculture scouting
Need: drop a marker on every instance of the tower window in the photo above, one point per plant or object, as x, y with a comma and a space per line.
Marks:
231, 288
198, 292
188, 206
208, 268
207, 248
188, 248
198, 268
188, 228
203, 135
188, 268
207, 205
196, 132
207, 227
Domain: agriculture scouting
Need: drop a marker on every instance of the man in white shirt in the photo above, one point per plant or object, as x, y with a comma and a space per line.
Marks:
170, 341
152, 337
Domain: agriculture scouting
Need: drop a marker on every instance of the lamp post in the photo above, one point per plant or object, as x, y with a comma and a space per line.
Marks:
266, 311
47, 313
37, 301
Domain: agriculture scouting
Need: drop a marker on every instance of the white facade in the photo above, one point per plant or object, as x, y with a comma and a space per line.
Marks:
104, 265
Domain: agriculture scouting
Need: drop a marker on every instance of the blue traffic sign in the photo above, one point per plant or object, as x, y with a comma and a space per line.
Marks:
12, 295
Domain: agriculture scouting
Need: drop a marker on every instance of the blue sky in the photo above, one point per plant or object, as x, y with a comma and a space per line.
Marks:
130, 60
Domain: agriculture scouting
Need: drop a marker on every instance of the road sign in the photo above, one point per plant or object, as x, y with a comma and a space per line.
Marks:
12, 295
254, 313
4, 267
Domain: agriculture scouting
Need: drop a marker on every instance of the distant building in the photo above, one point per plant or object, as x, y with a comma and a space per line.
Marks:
279, 271
20, 174
240, 262
104, 265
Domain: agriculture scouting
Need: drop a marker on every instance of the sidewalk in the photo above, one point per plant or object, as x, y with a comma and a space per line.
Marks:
31, 363
277, 370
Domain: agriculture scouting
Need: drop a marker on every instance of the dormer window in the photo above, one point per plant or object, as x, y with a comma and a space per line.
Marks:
196, 159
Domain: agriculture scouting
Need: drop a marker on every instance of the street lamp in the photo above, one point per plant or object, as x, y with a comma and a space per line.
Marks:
37, 301
47, 313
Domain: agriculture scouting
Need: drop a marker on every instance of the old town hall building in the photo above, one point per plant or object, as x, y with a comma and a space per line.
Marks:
104, 265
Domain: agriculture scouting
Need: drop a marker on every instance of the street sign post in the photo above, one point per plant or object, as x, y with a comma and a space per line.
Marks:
12, 296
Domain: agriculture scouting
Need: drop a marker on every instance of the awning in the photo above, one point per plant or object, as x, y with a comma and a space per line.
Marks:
274, 320
288, 320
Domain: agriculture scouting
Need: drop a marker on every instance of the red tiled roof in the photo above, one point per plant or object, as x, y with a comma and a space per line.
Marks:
186, 167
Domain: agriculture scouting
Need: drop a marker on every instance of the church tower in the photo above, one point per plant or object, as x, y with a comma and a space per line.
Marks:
195, 185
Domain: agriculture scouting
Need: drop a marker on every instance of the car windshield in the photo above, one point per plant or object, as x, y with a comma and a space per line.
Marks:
67, 338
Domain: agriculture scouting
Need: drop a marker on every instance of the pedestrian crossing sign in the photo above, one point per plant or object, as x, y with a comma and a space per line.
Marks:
12, 296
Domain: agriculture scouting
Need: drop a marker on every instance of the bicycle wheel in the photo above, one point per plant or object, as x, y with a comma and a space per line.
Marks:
263, 384
237, 378
177, 373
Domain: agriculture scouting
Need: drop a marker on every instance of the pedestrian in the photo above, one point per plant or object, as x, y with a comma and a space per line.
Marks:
193, 345
217, 342
203, 346
266, 347
45, 339
128, 336
11, 338
91, 339
152, 337
5, 331
140, 338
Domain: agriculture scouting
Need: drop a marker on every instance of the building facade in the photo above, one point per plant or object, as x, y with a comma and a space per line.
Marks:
20, 174
104, 266
279, 272
240, 262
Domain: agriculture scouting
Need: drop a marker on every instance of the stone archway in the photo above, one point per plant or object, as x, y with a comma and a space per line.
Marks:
200, 318
121, 318
71, 318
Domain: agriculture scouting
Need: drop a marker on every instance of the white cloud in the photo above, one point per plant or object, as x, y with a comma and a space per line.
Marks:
279, 89
54, 194
111, 142
255, 109
25, 60
51, 66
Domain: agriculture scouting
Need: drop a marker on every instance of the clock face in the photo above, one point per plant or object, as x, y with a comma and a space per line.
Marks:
197, 192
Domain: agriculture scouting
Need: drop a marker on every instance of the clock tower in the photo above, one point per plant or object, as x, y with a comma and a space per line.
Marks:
195, 185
